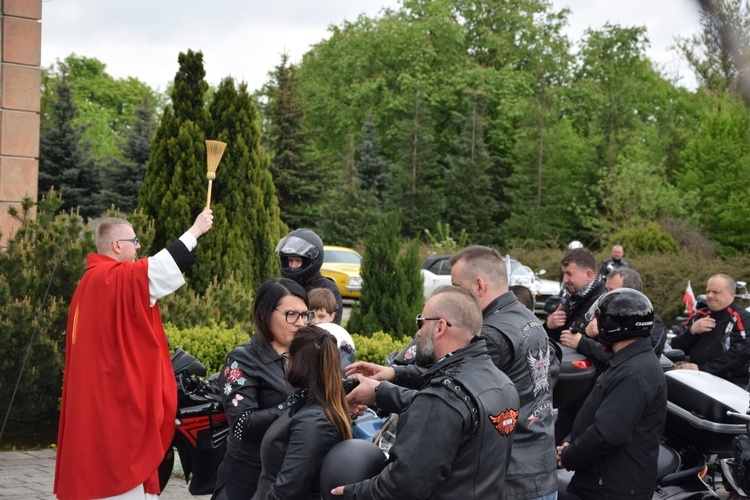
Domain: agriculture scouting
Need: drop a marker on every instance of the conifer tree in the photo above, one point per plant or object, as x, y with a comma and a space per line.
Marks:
65, 160
372, 166
348, 212
125, 177
174, 188
30, 270
247, 226
246, 191
392, 289
299, 180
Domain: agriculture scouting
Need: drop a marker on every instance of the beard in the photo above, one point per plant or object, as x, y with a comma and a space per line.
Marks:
425, 355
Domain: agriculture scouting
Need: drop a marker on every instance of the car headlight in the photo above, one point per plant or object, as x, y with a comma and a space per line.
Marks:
355, 280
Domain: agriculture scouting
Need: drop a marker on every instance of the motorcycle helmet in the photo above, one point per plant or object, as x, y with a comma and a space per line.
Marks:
349, 462
623, 314
345, 342
308, 246
575, 244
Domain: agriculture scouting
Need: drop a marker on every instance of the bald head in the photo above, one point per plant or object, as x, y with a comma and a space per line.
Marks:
720, 291
459, 308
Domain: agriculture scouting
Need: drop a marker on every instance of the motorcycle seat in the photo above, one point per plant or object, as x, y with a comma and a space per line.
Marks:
669, 462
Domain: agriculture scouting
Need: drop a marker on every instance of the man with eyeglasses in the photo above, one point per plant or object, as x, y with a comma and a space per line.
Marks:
454, 434
119, 395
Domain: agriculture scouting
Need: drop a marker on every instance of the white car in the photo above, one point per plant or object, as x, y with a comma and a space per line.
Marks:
436, 272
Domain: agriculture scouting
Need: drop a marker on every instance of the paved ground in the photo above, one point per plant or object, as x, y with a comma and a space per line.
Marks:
27, 475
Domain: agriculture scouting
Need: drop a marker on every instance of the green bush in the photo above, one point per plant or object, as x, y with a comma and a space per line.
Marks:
35, 290
645, 239
377, 347
210, 343
229, 301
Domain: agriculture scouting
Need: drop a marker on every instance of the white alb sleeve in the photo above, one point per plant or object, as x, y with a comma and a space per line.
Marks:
164, 277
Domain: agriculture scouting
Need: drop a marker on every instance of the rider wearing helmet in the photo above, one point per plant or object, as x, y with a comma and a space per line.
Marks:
301, 254
614, 445
575, 244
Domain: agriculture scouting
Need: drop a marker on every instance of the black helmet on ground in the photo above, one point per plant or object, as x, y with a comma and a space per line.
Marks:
622, 314
306, 245
349, 462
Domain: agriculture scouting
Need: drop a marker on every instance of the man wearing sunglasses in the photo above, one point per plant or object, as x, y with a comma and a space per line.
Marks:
454, 435
119, 395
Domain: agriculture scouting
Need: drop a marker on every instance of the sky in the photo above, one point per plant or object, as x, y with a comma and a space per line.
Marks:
246, 38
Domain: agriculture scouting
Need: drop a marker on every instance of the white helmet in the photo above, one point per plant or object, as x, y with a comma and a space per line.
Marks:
575, 244
345, 342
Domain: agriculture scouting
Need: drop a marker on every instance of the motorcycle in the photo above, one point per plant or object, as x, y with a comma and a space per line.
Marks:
201, 426
706, 415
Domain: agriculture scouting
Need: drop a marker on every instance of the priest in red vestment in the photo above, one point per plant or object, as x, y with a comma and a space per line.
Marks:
119, 397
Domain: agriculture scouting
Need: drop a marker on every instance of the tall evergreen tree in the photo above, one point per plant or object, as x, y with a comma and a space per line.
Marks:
372, 166
247, 226
245, 191
125, 176
392, 286
65, 161
174, 188
348, 211
299, 180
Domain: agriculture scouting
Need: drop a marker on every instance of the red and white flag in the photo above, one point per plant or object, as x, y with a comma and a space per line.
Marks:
689, 298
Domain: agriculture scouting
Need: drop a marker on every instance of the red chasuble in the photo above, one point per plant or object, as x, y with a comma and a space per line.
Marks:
119, 394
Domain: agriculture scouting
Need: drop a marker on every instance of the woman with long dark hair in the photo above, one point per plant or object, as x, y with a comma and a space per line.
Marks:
293, 448
255, 386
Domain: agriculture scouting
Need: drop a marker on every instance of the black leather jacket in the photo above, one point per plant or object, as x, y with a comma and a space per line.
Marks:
519, 347
724, 351
614, 444
454, 436
255, 394
576, 318
293, 450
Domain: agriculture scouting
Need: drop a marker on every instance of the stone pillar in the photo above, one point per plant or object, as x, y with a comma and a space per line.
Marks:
20, 105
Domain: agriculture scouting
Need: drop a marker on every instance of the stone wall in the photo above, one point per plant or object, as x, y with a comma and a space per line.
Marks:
20, 94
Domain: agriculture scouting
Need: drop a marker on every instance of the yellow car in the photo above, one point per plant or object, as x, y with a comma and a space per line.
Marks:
341, 265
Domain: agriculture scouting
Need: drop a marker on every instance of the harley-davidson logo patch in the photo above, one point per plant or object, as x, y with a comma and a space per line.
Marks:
505, 422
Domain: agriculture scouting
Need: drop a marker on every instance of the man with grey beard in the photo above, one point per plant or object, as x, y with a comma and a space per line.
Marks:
455, 433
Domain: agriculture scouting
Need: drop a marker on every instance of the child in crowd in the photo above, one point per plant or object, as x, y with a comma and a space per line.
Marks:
323, 303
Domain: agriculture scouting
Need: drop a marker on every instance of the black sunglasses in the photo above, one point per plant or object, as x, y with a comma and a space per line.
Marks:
420, 321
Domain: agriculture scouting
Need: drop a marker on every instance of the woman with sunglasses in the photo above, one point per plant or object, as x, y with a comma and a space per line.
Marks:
294, 447
255, 386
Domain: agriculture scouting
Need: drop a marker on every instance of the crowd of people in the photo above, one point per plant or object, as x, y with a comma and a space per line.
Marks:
476, 416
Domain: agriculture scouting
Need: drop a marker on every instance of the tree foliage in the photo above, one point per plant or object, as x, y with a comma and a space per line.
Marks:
39, 270
392, 293
65, 160
246, 213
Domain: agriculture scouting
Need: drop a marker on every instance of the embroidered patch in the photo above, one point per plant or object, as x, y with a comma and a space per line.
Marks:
539, 367
227, 388
505, 422
539, 411
236, 399
233, 374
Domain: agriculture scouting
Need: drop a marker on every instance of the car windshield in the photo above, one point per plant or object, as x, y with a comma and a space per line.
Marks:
342, 257
518, 269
